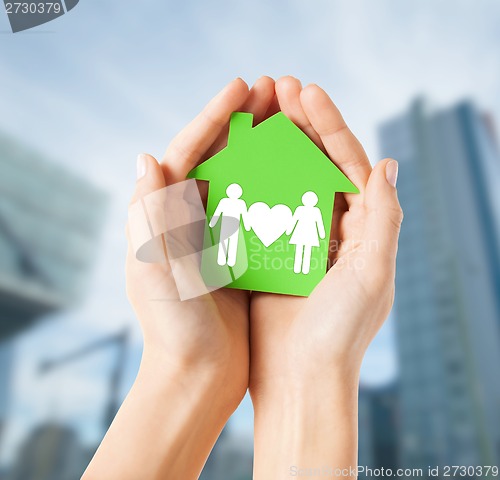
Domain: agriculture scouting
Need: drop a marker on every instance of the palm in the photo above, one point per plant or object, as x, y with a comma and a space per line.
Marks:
202, 328
305, 327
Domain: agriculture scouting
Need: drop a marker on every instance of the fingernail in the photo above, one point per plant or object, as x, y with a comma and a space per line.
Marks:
142, 162
391, 172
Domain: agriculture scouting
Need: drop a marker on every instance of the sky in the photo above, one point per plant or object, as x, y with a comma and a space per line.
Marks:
109, 80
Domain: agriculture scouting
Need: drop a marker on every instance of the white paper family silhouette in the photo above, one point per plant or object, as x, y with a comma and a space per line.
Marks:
305, 226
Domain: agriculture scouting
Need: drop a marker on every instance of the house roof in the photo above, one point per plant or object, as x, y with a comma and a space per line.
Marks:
276, 146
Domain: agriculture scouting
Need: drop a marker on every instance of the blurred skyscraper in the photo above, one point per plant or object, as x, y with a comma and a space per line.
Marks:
5, 375
49, 223
231, 458
379, 427
51, 452
49, 220
447, 286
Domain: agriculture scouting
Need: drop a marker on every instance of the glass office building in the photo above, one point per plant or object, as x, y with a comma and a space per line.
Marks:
378, 415
49, 224
49, 221
447, 286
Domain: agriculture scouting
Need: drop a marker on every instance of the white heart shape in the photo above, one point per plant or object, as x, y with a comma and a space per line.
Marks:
269, 223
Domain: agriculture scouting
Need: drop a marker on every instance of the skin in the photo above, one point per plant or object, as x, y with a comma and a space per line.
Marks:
305, 352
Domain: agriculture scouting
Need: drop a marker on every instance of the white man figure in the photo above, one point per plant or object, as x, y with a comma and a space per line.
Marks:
306, 224
232, 210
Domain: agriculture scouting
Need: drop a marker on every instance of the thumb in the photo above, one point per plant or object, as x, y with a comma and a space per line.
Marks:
143, 219
149, 177
384, 212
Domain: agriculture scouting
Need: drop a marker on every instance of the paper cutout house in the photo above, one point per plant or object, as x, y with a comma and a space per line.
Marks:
274, 163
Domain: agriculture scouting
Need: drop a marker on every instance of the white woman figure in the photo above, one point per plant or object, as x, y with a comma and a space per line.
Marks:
232, 210
307, 226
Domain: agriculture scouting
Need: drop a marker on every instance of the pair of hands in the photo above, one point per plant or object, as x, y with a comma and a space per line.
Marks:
286, 337
294, 354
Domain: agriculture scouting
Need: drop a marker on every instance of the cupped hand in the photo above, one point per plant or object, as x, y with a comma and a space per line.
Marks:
207, 336
295, 340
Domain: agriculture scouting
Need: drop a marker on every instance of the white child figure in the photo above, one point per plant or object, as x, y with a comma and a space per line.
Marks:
307, 224
232, 210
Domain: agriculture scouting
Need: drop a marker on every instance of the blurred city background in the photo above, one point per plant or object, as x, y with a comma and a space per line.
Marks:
83, 95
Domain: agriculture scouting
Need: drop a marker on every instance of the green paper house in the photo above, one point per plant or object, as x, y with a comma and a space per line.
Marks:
269, 209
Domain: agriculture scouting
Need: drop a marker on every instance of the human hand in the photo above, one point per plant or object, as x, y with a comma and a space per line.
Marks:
194, 368
306, 352
207, 335
296, 336
201, 335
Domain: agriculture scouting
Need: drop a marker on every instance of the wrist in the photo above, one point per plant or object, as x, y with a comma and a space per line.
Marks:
204, 385
303, 382
297, 388
310, 423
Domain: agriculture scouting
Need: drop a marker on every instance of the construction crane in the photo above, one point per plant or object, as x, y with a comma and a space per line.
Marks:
119, 339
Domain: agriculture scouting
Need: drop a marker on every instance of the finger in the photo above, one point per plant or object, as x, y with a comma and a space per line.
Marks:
187, 148
149, 177
384, 215
274, 107
258, 101
336, 232
288, 94
340, 143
